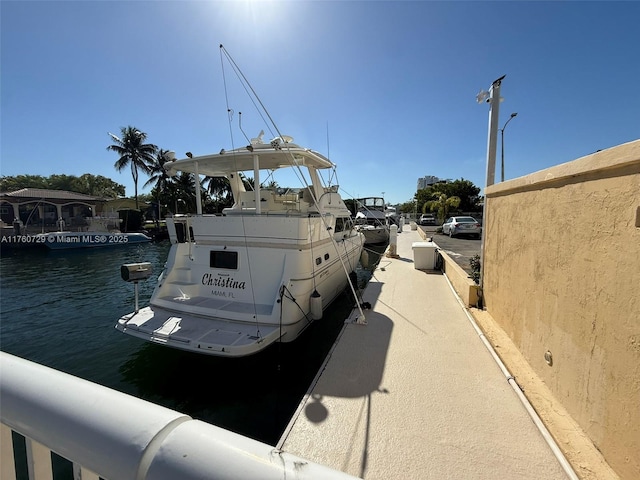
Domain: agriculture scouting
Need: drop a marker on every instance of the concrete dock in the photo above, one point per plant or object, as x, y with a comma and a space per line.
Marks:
415, 393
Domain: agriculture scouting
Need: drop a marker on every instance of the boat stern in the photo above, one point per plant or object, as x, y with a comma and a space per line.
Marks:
198, 334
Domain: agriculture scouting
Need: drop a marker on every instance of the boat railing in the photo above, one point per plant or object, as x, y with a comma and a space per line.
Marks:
272, 200
110, 435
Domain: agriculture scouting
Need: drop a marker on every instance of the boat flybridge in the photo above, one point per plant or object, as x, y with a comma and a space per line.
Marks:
263, 270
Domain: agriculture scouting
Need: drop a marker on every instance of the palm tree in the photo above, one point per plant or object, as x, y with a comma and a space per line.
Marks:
157, 173
133, 152
249, 182
442, 204
182, 190
219, 189
158, 177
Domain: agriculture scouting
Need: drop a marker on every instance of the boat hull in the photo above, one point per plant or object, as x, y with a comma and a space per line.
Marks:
211, 336
240, 309
375, 235
260, 271
371, 220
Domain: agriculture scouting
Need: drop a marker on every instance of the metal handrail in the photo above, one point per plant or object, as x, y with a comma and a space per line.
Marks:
116, 436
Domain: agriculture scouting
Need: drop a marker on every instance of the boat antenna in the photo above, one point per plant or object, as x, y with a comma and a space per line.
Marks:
328, 151
226, 99
333, 169
247, 87
261, 109
240, 126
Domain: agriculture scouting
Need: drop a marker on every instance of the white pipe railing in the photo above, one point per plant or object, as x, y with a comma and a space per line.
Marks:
115, 436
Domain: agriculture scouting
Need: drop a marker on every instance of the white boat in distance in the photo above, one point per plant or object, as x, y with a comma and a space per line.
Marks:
261, 272
372, 221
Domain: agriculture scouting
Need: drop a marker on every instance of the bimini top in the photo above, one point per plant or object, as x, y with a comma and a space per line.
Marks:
279, 153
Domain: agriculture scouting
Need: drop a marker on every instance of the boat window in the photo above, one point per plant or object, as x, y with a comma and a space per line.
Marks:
326, 256
223, 259
318, 261
343, 224
180, 232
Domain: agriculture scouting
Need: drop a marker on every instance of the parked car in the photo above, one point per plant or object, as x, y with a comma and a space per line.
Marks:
453, 226
427, 219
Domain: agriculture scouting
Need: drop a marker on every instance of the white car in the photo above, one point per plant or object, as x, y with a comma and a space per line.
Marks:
453, 226
427, 219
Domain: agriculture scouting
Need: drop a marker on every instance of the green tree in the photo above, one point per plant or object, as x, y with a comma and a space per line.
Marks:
94, 185
181, 193
11, 184
62, 182
98, 186
158, 176
161, 181
463, 189
249, 182
408, 208
133, 152
220, 190
466, 191
442, 204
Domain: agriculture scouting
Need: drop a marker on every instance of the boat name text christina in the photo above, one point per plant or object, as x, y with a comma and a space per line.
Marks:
210, 280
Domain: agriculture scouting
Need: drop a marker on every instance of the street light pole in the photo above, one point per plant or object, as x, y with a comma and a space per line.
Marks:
502, 140
492, 97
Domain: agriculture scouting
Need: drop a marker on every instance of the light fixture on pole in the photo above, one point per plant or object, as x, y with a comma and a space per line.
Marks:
492, 97
502, 140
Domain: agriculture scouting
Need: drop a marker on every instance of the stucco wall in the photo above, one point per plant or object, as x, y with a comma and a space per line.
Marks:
562, 274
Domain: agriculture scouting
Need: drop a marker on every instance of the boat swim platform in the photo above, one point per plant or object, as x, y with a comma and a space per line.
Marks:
415, 393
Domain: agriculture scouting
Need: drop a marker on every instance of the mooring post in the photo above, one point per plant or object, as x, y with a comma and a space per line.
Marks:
393, 242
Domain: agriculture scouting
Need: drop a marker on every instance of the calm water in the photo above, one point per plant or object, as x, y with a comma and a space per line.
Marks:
59, 309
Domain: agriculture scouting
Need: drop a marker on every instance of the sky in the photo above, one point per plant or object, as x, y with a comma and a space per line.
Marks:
387, 90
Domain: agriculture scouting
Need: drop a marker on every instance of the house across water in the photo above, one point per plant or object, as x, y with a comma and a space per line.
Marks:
30, 211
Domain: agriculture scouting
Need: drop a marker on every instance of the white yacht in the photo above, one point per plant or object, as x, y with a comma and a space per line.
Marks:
263, 270
371, 220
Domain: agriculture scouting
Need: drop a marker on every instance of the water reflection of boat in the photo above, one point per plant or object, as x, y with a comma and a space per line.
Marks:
261, 272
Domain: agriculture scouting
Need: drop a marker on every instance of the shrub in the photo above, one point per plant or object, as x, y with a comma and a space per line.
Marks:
475, 268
